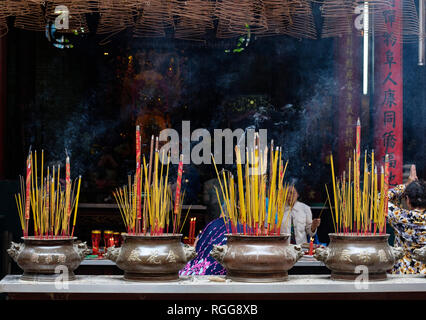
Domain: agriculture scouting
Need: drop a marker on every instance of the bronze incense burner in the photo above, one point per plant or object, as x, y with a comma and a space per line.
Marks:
47, 259
349, 256
151, 258
250, 258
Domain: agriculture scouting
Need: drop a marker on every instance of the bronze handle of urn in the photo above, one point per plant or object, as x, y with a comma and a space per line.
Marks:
112, 253
14, 250
397, 253
219, 252
82, 250
297, 250
321, 254
420, 254
190, 252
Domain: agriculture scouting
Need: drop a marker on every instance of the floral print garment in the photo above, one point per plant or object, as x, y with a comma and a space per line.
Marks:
204, 264
410, 232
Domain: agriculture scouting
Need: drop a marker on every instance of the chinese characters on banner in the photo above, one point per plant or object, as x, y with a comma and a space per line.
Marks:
348, 61
388, 103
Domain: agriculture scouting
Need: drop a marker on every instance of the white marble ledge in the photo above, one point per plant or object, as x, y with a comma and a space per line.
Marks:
213, 284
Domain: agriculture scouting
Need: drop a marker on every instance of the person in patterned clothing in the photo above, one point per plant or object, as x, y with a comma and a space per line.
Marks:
409, 224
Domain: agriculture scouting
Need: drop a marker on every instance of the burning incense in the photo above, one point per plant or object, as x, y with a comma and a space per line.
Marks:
158, 200
250, 200
359, 210
50, 204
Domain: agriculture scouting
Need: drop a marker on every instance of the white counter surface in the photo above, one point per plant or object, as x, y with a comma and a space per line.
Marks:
212, 284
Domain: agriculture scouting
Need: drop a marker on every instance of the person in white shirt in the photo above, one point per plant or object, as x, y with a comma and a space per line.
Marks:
300, 219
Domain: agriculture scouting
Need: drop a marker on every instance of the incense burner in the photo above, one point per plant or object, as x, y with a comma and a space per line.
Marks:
48, 259
352, 256
151, 258
248, 258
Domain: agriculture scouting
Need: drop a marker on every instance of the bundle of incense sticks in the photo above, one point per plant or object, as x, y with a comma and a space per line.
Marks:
151, 179
255, 204
360, 208
51, 204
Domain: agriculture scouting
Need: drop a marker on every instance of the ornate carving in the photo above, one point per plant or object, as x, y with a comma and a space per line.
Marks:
14, 250
190, 252
154, 258
48, 259
364, 256
321, 254
134, 256
382, 256
62, 258
34, 258
345, 256
171, 257
219, 252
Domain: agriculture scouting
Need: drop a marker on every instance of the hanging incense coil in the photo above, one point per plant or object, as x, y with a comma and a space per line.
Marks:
299, 23
402, 16
338, 18
292, 17
76, 21
234, 16
17, 7
155, 18
3, 27
194, 18
34, 20
113, 17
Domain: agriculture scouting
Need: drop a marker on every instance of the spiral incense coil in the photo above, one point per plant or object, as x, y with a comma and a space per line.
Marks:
194, 18
292, 17
17, 7
3, 27
338, 18
113, 17
403, 17
34, 20
76, 21
155, 17
234, 15
301, 24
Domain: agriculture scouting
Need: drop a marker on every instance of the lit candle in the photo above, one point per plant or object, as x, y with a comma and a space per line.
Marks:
311, 246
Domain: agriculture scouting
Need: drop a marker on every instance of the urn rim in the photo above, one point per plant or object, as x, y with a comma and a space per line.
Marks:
148, 236
283, 236
35, 238
368, 236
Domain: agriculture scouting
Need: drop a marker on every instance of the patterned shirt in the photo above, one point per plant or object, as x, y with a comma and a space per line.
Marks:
410, 232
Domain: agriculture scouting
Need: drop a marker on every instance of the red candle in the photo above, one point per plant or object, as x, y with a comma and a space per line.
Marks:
191, 225
193, 230
311, 247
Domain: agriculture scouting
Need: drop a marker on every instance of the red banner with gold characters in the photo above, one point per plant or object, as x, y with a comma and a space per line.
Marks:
348, 72
388, 95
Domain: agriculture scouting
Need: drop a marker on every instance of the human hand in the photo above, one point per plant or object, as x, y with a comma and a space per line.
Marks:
413, 174
315, 224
